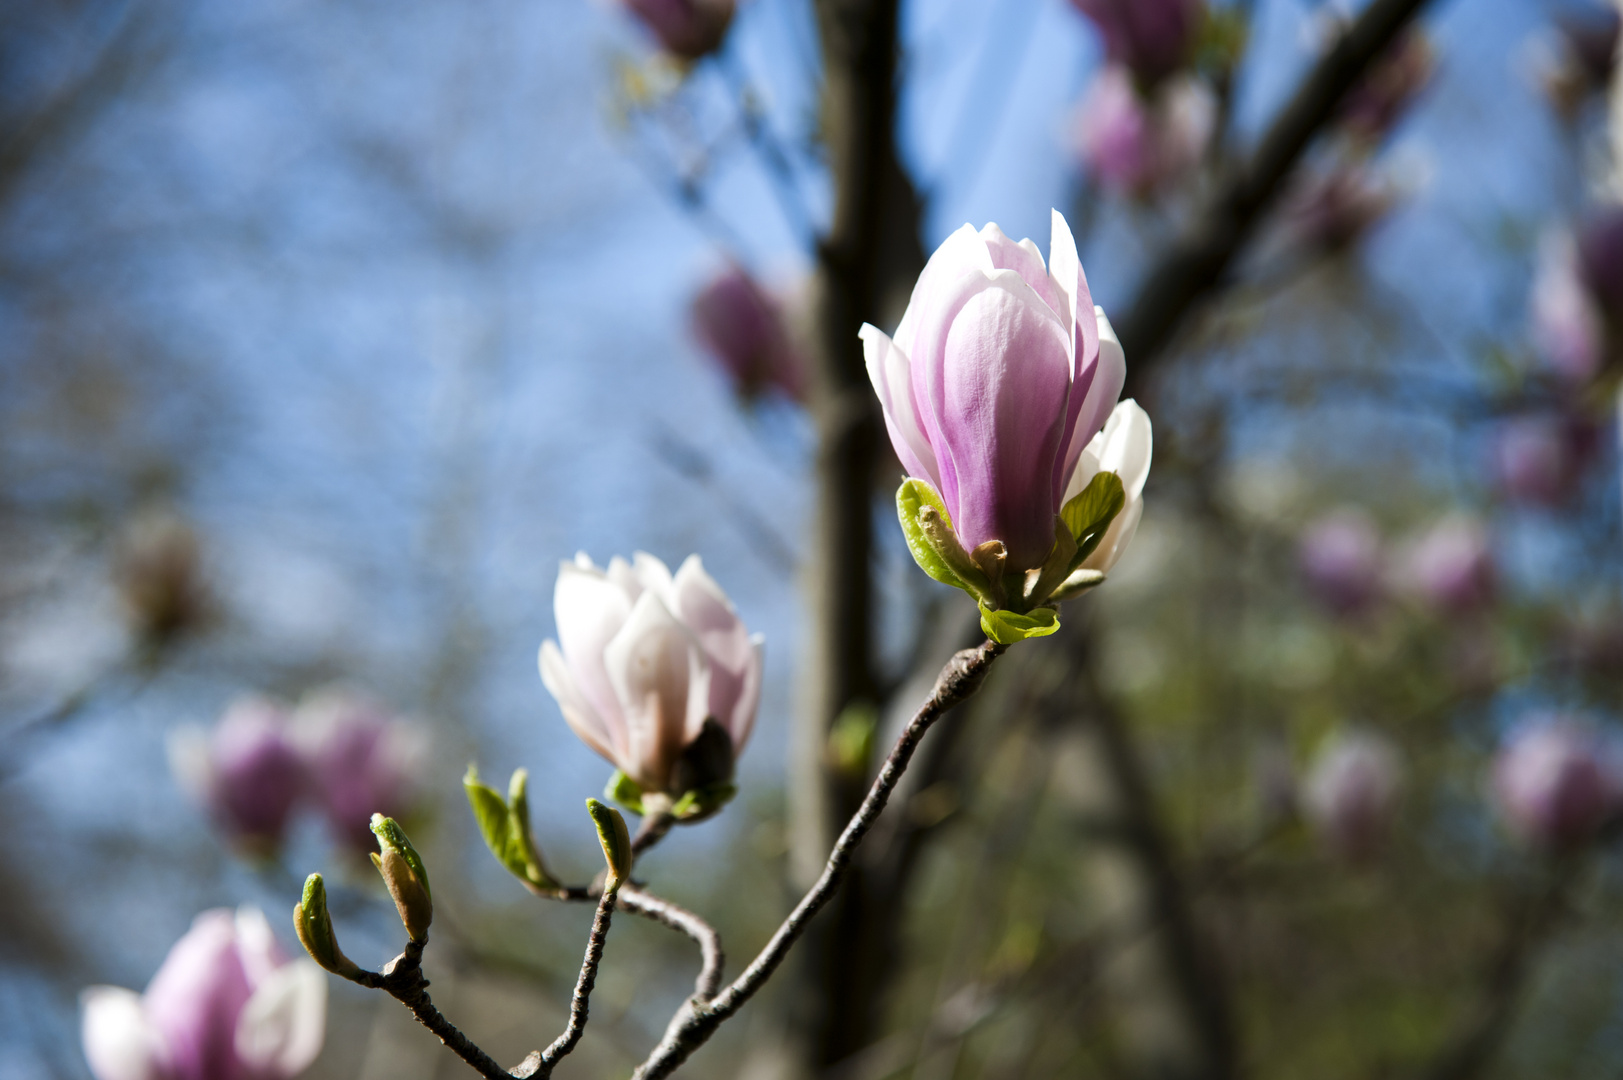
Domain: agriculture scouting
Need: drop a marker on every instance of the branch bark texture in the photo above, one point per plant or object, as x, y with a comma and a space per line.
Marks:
693, 1025
1195, 263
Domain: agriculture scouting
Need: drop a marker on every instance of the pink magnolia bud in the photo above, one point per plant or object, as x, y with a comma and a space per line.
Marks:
1373, 108
744, 329
655, 672
1554, 783
689, 29
1136, 145
1151, 38
226, 1004
246, 771
1340, 556
1569, 328
1600, 258
1351, 793
158, 567
1450, 567
362, 760
1540, 459
1336, 208
1000, 374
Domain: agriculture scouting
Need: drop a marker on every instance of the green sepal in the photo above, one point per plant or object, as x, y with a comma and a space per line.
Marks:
913, 496
402, 870
616, 841
1077, 584
391, 836
1090, 513
1007, 627
313, 925
625, 791
700, 803
505, 825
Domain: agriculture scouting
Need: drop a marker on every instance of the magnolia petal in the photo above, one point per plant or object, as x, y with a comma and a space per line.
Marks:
892, 382
653, 575
962, 252
590, 610
1024, 259
582, 719
282, 1027
256, 945
654, 664
120, 1042
742, 719
1109, 373
196, 995
1116, 538
1127, 444
1005, 363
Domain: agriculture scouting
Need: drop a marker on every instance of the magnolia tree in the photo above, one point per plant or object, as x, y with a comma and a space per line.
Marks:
1264, 790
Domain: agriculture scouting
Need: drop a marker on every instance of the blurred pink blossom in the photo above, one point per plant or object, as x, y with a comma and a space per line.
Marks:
1135, 144
1450, 566
362, 760
1373, 108
1340, 557
1555, 783
226, 1004
1150, 38
746, 331
1540, 458
688, 29
1569, 328
1334, 208
246, 771
1351, 792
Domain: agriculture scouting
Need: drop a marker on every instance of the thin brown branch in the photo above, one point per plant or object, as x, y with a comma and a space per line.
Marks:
696, 1021
1196, 262
540, 1063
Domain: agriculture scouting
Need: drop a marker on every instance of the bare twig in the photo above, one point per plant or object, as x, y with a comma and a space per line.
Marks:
402, 979
663, 911
697, 1020
1195, 263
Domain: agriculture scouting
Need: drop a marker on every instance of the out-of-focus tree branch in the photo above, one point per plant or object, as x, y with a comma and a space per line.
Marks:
1194, 264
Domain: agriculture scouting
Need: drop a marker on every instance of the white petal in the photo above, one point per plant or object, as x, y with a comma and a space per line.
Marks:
590, 609
582, 719
1116, 538
281, 1028
1126, 446
1065, 267
256, 945
705, 609
120, 1043
742, 722
659, 675
888, 370
652, 573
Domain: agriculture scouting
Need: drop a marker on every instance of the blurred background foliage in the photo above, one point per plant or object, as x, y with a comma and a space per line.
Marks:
329, 329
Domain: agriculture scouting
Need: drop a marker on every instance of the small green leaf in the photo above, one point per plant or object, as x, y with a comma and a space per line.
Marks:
518, 814
700, 803
495, 822
1007, 627
392, 837
1078, 583
1090, 513
314, 926
625, 791
616, 841
913, 496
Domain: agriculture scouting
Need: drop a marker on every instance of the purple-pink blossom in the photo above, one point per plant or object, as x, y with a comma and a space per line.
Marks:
1540, 458
1135, 143
1555, 782
1569, 327
226, 1004
1151, 38
246, 772
1340, 557
998, 377
1450, 566
688, 29
1351, 792
744, 328
362, 760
